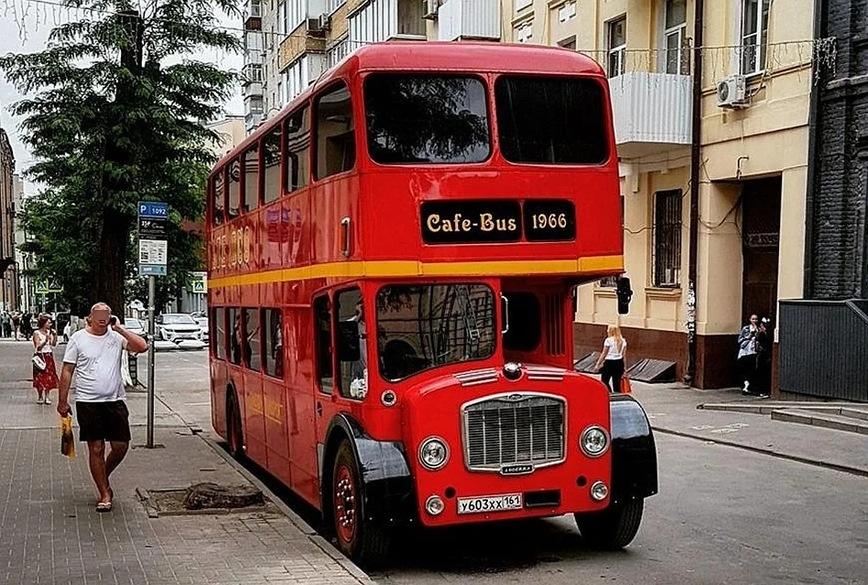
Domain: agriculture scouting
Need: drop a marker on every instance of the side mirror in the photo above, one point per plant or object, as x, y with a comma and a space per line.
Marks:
348, 342
625, 294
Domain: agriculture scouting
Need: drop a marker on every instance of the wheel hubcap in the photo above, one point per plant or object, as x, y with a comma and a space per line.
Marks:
345, 504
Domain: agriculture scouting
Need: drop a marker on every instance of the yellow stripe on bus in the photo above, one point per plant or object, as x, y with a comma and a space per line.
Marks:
411, 268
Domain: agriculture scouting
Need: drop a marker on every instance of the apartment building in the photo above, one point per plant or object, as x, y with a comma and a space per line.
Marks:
289, 43
9, 293
748, 217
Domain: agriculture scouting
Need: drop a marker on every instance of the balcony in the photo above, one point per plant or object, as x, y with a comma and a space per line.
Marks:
651, 112
253, 15
469, 19
384, 20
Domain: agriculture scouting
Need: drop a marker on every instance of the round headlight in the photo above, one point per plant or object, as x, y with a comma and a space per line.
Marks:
433, 453
594, 441
599, 491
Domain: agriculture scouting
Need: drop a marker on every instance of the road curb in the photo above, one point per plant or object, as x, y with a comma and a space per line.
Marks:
824, 464
297, 520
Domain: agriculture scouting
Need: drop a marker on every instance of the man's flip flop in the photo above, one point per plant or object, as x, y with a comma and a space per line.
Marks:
104, 507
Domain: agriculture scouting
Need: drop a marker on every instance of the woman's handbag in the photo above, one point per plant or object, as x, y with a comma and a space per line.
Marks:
626, 387
38, 361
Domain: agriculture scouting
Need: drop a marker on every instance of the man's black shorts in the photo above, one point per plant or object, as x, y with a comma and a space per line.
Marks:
108, 421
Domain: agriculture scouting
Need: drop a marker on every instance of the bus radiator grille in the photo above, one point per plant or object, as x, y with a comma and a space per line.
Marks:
508, 430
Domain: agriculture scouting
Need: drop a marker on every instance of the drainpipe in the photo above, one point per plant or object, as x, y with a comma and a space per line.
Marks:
695, 153
813, 143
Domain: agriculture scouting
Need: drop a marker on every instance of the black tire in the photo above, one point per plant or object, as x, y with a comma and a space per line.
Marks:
613, 528
234, 431
365, 542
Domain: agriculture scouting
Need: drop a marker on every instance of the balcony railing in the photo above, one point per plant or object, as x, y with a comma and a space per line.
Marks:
469, 19
651, 112
383, 20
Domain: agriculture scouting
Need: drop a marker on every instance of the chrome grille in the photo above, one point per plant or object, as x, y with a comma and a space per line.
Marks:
514, 429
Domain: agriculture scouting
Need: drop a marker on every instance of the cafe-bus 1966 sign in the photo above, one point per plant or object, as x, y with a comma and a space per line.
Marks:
494, 221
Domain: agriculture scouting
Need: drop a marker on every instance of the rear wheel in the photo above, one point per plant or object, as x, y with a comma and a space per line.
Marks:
364, 541
234, 434
613, 528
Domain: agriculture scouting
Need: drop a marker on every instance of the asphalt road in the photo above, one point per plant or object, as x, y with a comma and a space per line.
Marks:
723, 515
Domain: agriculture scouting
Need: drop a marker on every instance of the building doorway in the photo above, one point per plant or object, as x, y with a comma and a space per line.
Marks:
761, 228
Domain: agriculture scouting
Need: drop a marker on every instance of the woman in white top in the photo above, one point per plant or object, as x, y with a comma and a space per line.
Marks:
44, 342
612, 358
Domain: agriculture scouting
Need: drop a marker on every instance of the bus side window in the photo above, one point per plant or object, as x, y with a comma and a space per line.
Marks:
524, 322
271, 165
272, 351
323, 333
218, 339
351, 344
335, 133
235, 335
252, 345
218, 195
251, 179
297, 164
234, 189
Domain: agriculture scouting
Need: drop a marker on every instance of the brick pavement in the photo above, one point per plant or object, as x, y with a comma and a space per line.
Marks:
50, 532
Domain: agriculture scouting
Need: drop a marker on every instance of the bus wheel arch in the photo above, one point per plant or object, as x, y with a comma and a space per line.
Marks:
234, 424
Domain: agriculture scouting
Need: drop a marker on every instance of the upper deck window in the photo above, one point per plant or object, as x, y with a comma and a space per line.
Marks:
234, 188
218, 195
551, 120
426, 119
271, 165
251, 179
335, 133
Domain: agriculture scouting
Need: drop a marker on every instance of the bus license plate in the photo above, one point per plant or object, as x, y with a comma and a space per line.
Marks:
484, 504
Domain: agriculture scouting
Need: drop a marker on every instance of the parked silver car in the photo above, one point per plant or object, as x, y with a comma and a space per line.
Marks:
177, 327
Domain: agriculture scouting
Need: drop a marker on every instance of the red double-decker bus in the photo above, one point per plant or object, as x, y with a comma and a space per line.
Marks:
392, 265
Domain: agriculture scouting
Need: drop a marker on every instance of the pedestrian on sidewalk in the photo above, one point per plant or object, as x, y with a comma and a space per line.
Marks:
94, 355
44, 342
747, 353
761, 382
16, 324
612, 358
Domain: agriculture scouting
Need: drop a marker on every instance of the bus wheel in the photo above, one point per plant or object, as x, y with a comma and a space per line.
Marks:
234, 435
612, 528
366, 542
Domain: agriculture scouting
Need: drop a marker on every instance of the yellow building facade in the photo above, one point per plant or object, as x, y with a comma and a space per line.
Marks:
752, 165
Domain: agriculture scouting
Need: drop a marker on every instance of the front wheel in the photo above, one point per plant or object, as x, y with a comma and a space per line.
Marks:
612, 528
366, 542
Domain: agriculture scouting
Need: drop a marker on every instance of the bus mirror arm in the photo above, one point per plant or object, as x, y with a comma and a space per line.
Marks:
345, 226
505, 314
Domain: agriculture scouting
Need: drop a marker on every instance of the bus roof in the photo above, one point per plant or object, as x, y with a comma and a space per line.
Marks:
472, 57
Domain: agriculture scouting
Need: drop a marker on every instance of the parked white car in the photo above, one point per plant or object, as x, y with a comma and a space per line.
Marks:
203, 325
176, 327
135, 326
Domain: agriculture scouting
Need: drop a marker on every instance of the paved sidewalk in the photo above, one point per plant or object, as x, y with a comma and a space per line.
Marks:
51, 532
676, 409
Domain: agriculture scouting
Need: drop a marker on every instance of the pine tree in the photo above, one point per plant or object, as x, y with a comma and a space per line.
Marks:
115, 118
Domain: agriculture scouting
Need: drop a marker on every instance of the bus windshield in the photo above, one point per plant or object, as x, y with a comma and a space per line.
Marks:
426, 119
424, 326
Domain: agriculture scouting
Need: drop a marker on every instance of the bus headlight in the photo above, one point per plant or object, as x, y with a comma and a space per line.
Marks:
594, 441
433, 453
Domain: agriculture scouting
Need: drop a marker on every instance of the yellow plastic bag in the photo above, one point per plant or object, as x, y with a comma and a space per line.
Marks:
67, 442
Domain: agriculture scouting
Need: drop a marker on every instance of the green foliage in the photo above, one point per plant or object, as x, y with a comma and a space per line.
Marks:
116, 117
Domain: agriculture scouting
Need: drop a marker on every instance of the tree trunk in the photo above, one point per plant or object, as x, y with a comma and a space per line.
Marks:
110, 270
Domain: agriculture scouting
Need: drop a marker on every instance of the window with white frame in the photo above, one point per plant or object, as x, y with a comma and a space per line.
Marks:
524, 32
667, 238
253, 73
617, 45
522, 4
676, 29
295, 13
567, 11
754, 32
332, 5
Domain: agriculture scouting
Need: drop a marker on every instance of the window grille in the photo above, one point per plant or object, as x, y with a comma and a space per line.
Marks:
667, 238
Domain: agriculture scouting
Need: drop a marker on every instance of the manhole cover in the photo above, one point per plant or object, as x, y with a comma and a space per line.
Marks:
204, 499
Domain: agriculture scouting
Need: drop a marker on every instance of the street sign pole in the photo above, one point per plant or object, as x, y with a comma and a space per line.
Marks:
152, 280
153, 253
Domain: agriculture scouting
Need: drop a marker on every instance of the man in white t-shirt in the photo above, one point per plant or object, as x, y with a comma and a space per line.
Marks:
93, 354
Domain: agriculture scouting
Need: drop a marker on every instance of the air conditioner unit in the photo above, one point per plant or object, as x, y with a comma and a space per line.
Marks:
731, 92
429, 9
325, 21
